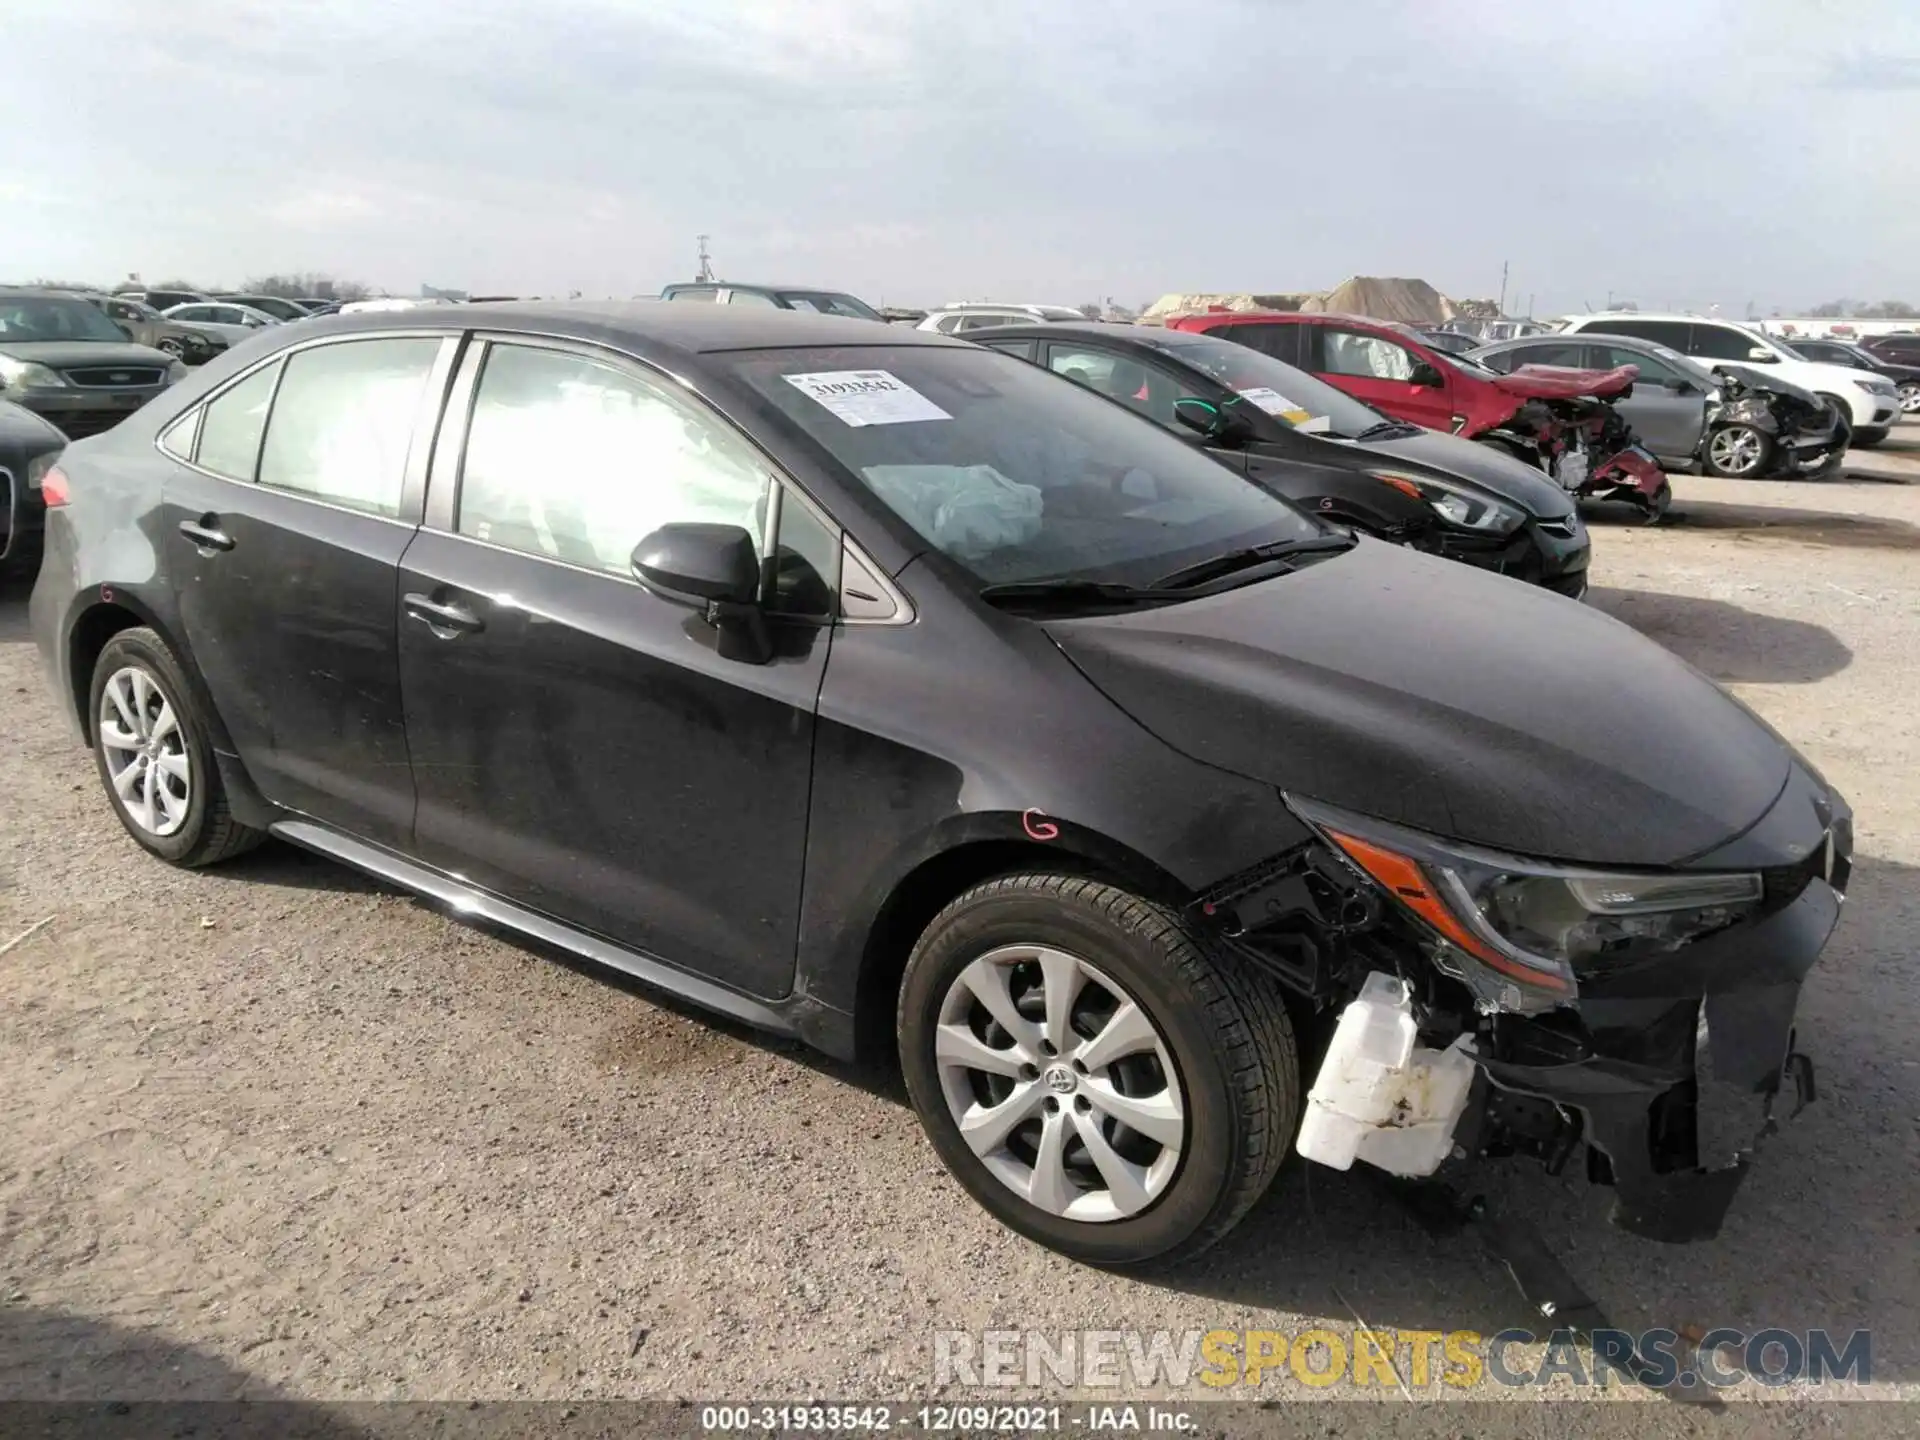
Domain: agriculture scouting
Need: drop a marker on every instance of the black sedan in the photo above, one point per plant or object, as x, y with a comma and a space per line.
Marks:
1323, 449
876, 688
28, 447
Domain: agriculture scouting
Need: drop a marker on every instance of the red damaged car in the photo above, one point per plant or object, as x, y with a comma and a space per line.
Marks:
1555, 418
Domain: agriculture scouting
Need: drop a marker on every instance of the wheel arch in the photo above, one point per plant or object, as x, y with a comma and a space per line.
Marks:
938, 879
94, 625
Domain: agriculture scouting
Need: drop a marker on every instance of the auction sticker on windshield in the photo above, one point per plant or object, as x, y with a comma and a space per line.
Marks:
1274, 403
867, 397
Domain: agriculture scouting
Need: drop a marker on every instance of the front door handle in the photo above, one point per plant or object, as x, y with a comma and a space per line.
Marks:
445, 621
205, 533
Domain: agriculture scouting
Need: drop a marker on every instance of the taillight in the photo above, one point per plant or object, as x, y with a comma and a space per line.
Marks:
53, 487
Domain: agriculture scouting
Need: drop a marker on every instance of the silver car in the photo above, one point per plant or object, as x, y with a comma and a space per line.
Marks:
1676, 407
232, 322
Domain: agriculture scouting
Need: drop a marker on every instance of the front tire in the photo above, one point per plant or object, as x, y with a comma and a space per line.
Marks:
1866, 439
1658, 504
150, 744
1909, 392
1737, 452
1096, 1078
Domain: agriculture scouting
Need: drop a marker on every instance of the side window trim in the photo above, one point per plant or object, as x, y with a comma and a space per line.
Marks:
453, 343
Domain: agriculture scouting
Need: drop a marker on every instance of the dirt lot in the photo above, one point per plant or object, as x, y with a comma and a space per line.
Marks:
275, 1128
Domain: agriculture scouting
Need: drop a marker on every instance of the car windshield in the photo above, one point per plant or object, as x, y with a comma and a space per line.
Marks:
46, 317
827, 302
1012, 472
1293, 396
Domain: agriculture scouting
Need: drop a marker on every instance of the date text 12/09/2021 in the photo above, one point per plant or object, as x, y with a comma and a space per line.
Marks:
965, 1419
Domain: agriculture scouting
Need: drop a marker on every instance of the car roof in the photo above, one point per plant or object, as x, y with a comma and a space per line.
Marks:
1053, 329
1656, 315
755, 285
696, 329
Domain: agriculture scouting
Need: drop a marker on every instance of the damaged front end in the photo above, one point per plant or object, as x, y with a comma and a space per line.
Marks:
1492, 1005
1758, 426
1588, 448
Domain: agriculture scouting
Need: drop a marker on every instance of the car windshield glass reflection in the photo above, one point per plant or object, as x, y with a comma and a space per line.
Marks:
1014, 473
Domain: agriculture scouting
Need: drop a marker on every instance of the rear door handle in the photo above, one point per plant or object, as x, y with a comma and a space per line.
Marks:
445, 621
205, 533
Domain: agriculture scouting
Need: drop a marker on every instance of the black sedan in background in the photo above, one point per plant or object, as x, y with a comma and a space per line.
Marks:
28, 448
883, 690
68, 363
1323, 449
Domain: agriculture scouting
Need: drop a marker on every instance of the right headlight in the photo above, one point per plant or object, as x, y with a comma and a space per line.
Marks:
1524, 927
27, 375
1750, 411
1456, 504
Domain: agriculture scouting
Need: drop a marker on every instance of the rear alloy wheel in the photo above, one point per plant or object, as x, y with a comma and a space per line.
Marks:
154, 758
1094, 1077
1738, 452
1910, 397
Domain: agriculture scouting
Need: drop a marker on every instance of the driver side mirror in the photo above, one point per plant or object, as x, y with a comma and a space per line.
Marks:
1680, 385
1226, 428
1763, 355
715, 569
1427, 376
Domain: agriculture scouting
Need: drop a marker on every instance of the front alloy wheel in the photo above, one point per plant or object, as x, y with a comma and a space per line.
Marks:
1060, 1084
1093, 1071
1736, 451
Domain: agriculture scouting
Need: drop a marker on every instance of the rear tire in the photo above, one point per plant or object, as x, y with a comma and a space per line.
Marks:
1213, 1050
1910, 397
150, 745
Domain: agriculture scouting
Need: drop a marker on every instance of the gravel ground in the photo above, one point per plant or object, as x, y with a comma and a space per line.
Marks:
277, 1130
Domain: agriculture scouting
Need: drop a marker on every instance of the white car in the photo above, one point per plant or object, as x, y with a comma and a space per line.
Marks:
1870, 403
233, 323
964, 316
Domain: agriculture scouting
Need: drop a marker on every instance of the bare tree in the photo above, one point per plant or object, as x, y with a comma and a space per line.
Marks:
304, 284
1888, 310
1091, 310
1828, 310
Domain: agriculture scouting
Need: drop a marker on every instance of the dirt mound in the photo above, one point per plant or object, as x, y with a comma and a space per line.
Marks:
1413, 302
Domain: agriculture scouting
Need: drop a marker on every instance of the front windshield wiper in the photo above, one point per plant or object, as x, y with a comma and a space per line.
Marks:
1385, 428
1235, 560
1075, 593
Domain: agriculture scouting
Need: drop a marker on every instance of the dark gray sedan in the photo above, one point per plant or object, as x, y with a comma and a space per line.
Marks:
1732, 420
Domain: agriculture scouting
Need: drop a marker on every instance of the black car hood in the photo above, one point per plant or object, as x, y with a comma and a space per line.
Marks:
1478, 464
59, 354
1421, 691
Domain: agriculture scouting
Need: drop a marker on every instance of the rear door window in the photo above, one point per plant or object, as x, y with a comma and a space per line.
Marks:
696, 292
1654, 371
1568, 353
1282, 342
751, 297
232, 425
343, 421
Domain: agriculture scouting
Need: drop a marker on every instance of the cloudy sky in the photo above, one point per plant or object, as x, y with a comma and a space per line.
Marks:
1675, 152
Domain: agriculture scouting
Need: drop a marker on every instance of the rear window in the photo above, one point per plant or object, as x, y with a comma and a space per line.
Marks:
1012, 472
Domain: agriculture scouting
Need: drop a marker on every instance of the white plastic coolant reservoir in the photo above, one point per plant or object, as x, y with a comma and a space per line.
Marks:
1380, 1097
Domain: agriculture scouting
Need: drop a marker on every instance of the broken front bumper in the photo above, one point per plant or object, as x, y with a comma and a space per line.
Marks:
1687, 1063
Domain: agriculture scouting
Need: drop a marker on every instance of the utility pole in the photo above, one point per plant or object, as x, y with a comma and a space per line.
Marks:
1502, 306
706, 260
